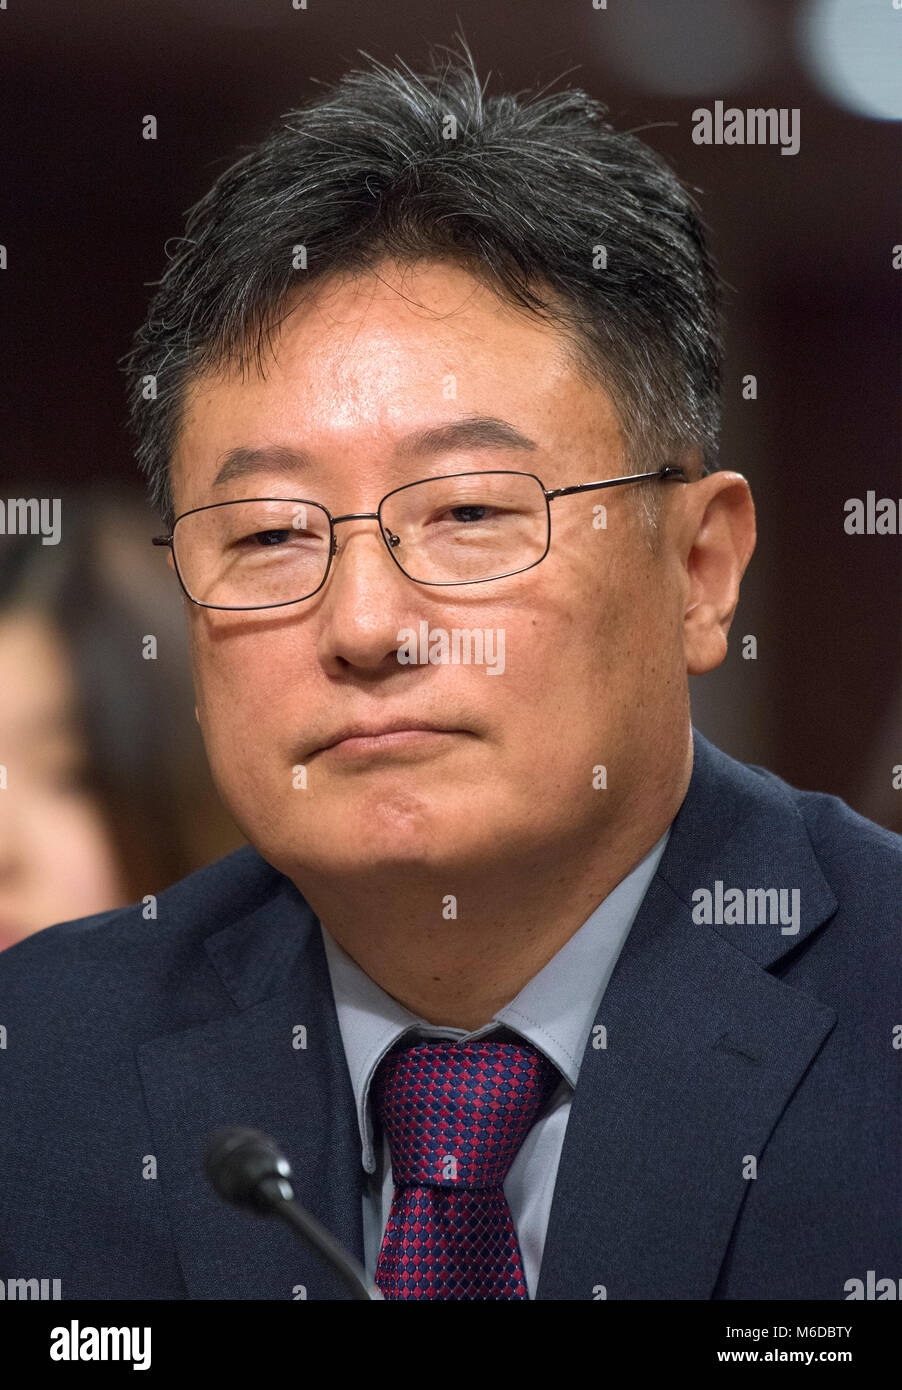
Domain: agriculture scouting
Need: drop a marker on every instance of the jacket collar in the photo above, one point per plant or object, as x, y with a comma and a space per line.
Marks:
275, 1065
703, 1050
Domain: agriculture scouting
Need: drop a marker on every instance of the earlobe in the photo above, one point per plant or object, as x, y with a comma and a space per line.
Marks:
706, 643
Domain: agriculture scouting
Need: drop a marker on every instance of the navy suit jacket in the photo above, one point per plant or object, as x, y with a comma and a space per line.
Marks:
128, 1041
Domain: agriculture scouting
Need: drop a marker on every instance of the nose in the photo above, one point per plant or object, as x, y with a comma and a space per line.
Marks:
391, 539
367, 599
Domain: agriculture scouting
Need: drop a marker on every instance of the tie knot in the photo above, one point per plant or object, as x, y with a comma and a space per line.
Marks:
456, 1113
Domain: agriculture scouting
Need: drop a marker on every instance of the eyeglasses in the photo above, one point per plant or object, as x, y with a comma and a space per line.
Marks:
464, 528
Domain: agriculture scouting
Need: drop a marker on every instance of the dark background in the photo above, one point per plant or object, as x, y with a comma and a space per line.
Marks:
804, 243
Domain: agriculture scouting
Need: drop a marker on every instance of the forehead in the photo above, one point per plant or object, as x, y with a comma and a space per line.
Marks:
363, 360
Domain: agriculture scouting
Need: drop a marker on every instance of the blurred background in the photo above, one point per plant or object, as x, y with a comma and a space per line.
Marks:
113, 797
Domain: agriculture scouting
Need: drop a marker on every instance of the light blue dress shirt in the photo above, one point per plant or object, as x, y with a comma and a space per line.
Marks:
554, 1011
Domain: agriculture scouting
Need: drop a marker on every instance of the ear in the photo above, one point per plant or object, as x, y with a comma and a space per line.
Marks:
718, 543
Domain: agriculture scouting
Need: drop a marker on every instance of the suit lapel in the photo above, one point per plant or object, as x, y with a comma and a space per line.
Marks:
704, 1049
245, 1069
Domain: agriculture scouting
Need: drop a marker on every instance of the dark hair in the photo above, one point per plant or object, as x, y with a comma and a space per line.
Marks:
522, 192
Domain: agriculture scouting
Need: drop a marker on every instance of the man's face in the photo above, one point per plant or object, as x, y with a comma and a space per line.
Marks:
594, 669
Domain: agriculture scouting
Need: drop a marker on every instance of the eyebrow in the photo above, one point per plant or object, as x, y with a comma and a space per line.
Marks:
473, 432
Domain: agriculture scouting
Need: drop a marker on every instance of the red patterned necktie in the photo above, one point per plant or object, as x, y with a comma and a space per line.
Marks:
455, 1115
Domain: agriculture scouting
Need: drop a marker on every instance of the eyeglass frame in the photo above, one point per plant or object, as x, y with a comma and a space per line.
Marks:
670, 472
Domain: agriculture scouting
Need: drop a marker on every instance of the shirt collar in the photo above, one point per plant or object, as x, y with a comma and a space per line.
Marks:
554, 1010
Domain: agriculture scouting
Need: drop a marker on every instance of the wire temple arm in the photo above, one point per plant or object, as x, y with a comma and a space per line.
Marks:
671, 471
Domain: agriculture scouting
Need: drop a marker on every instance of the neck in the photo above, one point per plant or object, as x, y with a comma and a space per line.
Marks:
458, 971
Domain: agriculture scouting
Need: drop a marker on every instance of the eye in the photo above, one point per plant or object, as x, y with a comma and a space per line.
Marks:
466, 513
269, 537
472, 514
274, 538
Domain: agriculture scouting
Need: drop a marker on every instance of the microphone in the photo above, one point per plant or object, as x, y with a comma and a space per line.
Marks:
248, 1169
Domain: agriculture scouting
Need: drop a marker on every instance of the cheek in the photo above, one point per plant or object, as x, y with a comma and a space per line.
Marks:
599, 644
241, 675
255, 698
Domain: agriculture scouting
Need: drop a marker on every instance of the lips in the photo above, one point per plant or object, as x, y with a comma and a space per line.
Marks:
386, 726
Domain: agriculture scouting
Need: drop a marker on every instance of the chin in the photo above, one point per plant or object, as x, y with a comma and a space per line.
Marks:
359, 838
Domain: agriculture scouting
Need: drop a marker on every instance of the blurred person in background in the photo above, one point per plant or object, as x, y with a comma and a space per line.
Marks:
107, 794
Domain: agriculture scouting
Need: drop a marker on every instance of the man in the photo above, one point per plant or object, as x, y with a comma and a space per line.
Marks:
542, 995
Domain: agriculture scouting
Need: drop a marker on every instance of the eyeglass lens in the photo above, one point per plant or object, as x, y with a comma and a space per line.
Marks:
454, 530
